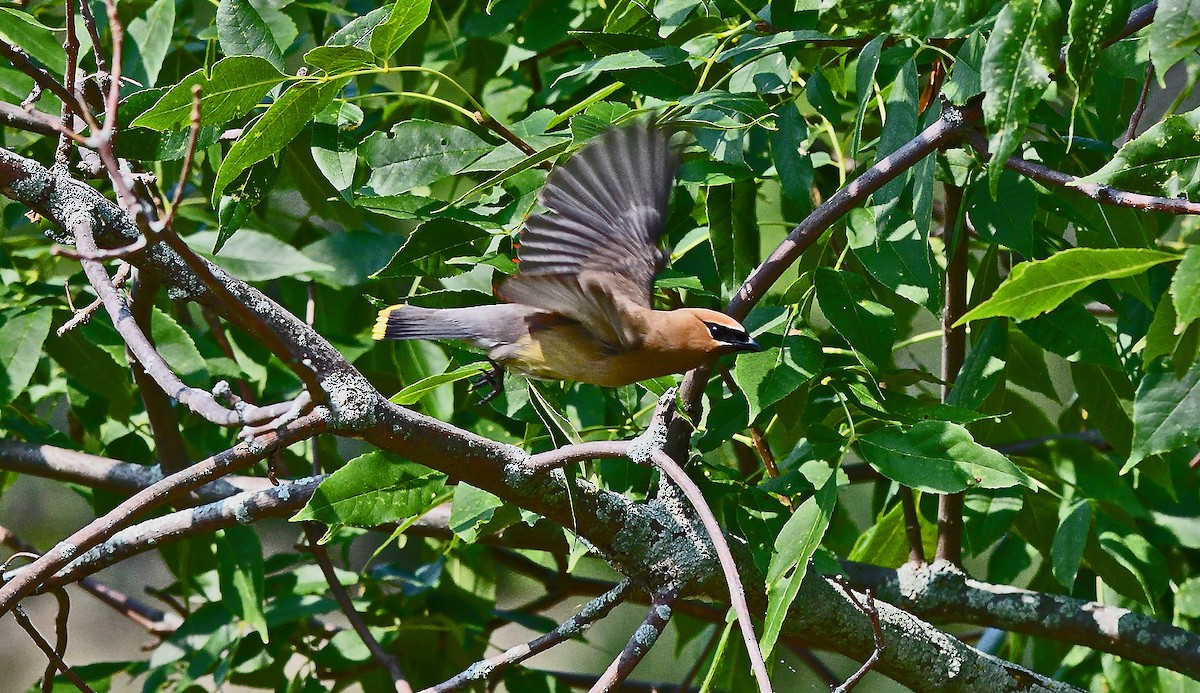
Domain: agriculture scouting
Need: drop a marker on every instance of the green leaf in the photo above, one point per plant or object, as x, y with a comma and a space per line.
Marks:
732, 231
254, 256
1160, 335
1021, 54
1165, 413
1105, 395
352, 256
371, 490
1174, 34
794, 546
402, 21
770, 375
1185, 288
236, 86
792, 163
247, 192
177, 347
759, 45
868, 326
982, 368
337, 59
428, 247
885, 544
864, 86
417, 152
1039, 286
151, 35
416, 392
663, 56
1074, 334
1139, 557
1006, 219
21, 339
1164, 160
938, 457
38, 40
1187, 598
1066, 552
240, 572
358, 31
472, 508
275, 129
246, 28
1090, 25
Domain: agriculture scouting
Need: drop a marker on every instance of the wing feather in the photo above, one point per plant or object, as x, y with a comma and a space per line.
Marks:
593, 255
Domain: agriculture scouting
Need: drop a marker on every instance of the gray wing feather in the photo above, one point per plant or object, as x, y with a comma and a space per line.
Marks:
607, 207
595, 251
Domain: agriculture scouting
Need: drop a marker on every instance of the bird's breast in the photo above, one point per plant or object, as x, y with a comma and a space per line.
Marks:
566, 351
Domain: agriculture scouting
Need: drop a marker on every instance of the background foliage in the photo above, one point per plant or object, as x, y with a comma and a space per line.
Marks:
351, 157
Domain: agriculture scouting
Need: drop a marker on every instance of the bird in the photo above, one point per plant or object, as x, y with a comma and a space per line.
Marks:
580, 307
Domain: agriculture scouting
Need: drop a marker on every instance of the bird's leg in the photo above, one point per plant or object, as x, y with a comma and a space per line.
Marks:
493, 379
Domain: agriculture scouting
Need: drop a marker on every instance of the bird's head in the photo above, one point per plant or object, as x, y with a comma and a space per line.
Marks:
719, 333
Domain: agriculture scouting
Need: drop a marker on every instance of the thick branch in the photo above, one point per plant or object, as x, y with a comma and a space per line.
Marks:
942, 593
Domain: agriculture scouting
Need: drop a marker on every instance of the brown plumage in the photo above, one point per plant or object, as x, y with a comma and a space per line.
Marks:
580, 309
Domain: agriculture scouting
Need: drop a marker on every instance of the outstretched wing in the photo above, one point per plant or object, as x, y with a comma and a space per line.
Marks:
593, 256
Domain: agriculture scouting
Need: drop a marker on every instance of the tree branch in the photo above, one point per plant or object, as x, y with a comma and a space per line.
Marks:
943, 593
573, 627
174, 486
954, 354
1100, 193
639, 645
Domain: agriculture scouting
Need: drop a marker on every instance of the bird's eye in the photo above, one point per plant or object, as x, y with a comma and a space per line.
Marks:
721, 333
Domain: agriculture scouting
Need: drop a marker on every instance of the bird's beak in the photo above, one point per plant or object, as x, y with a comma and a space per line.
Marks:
750, 345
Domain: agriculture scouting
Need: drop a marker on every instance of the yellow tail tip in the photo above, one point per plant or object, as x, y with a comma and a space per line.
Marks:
379, 332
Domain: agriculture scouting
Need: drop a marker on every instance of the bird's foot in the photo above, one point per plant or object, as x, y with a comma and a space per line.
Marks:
488, 384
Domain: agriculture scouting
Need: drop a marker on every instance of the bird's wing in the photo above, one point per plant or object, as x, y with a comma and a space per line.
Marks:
593, 256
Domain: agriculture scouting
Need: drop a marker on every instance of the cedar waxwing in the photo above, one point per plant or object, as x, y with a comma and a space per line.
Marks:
580, 308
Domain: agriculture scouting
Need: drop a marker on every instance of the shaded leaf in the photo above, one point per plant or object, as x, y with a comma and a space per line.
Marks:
868, 326
1066, 553
1090, 25
240, 561
254, 256
471, 509
21, 339
1185, 288
1165, 413
428, 247
244, 28
1174, 34
151, 35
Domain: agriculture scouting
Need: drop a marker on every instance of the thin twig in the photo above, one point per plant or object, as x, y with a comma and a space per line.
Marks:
866, 606
643, 451
84, 314
188, 156
62, 153
1101, 193
164, 426
20, 60
495, 126
1136, 118
49, 651
573, 627
639, 645
174, 486
199, 401
101, 254
954, 353
61, 621
385, 659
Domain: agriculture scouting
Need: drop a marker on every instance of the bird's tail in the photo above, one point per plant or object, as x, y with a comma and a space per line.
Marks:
413, 322
484, 326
